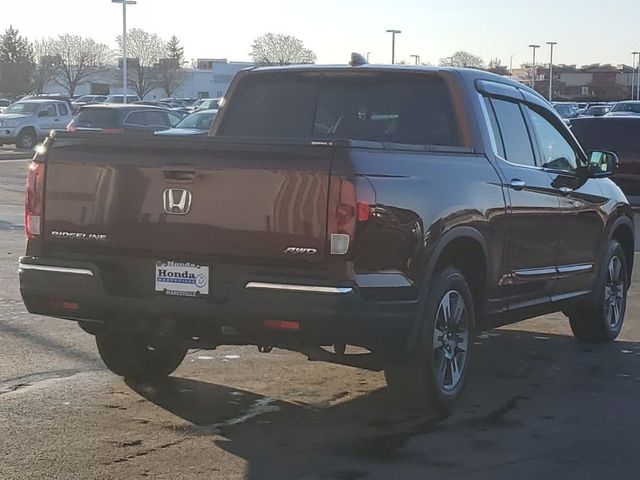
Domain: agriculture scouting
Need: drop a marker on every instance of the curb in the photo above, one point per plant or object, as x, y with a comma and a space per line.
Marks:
16, 155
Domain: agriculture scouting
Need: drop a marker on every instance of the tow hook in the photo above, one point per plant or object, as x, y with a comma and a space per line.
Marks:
264, 348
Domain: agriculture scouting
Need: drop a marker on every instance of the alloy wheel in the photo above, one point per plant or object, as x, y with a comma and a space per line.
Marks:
614, 293
450, 340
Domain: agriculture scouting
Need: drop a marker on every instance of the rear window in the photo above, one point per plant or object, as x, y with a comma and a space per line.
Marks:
382, 107
618, 135
97, 118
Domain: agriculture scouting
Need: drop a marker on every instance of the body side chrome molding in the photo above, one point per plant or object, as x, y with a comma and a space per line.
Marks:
54, 269
297, 288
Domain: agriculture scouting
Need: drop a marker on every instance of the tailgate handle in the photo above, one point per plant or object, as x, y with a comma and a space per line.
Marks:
180, 174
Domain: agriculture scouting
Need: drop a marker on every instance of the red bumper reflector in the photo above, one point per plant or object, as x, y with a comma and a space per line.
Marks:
64, 305
281, 325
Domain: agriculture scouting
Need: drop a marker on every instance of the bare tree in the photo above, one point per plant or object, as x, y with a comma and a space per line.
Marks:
495, 66
279, 49
171, 67
462, 59
45, 64
147, 48
77, 59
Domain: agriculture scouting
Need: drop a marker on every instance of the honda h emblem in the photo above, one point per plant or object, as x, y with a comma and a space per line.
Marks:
177, 201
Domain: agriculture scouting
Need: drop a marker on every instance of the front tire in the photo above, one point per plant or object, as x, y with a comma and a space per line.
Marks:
26, 139
601, 319
433, 374
139, 357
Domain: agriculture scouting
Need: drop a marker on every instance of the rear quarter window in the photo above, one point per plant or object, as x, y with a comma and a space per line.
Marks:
381, 107
97, 118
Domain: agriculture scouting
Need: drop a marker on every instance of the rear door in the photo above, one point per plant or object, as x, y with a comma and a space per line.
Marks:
534, 209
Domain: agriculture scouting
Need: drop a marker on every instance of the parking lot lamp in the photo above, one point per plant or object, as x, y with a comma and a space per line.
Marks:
633, 76
551, 44
393, 44
416, 57
533, 80
124, 44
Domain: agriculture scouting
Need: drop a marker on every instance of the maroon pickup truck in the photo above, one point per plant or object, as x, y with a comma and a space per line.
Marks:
397, 209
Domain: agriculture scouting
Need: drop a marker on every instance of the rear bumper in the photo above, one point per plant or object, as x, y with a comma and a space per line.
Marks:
327, 313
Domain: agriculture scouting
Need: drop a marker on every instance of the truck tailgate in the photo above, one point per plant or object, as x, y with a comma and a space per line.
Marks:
199, 198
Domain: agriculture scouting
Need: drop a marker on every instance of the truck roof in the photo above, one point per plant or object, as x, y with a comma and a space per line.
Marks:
468, 74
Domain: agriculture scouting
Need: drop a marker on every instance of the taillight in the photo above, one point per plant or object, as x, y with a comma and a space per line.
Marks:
33, 200
350, 203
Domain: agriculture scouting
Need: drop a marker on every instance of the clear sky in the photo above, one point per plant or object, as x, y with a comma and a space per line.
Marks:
587, 31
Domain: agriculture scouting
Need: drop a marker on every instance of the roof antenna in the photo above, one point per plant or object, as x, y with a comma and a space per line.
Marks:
357, 60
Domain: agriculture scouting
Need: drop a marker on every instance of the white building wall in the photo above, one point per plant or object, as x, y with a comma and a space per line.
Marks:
197, 83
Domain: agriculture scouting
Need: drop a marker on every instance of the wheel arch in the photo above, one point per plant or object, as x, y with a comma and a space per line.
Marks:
622, 230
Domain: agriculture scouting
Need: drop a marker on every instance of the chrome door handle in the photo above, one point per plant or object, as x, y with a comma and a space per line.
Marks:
518, 184
565, 190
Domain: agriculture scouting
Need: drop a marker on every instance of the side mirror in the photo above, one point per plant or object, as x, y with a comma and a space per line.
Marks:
602, 164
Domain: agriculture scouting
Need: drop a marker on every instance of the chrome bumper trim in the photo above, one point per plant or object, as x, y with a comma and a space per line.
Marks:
297, 288
51, 268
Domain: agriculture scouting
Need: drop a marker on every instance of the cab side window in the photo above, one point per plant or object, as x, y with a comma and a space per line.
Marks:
48, 110
62, 108
556, 152
515, 136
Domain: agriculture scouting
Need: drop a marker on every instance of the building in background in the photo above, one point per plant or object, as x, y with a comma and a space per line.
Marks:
597, 82
206, 78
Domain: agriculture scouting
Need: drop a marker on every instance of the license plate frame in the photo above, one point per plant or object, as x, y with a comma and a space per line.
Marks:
182, 279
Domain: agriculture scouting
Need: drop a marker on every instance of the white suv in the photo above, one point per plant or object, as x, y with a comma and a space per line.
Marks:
27, 121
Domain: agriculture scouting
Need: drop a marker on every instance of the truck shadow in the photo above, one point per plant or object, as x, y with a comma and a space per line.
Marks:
538, 404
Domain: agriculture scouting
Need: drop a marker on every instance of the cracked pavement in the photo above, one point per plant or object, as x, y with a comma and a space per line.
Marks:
540, 405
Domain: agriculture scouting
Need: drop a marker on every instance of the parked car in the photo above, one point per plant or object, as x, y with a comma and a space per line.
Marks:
624, 109
198, 123
49, 96
4, 103
597, 110
566, 111
207, 104
88, 100
398, 209
120, 98
183, 112
620, 135
118, 118
25, 122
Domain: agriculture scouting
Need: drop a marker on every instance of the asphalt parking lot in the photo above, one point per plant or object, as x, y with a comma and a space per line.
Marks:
540, 405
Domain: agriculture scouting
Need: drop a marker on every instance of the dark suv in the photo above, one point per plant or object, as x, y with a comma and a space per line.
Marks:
397, 209
119, 118
618, 134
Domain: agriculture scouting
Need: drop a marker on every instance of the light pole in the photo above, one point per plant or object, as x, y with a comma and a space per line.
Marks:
533, 81
551, 44
417, 58
511, 66
637, 76
633, 76
124, 45
393, 44
368, 53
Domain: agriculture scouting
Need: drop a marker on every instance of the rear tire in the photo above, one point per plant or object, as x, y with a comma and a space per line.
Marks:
138, 357
27, 139
601, 319
434, 373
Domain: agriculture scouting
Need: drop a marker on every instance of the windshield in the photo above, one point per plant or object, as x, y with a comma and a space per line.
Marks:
633, 107
200, 121
85, 98
23, 108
